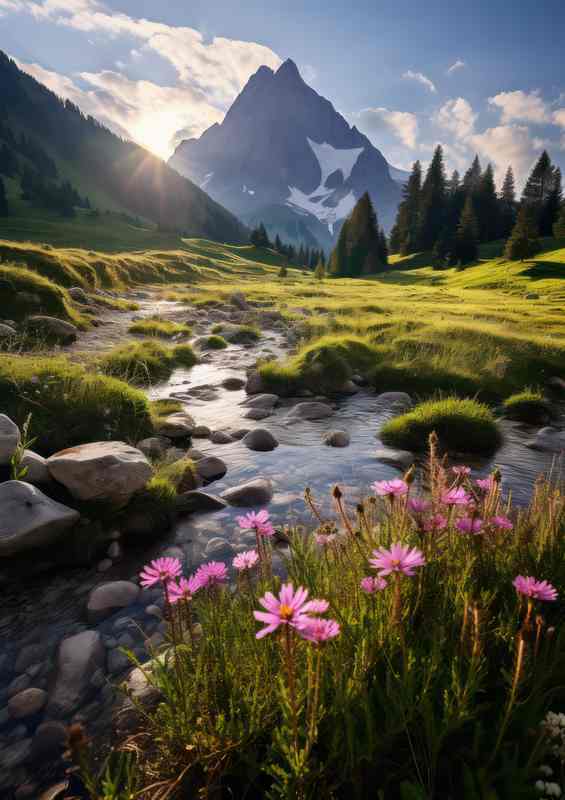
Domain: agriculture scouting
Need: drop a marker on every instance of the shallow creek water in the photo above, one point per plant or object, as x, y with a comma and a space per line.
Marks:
38, 613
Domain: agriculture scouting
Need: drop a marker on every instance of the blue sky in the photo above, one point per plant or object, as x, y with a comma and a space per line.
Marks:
486, 76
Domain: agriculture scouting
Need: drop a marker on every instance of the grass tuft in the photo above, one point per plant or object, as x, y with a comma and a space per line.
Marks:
527, 406
156, 326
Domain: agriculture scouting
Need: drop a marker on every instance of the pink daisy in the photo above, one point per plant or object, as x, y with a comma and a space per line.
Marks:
501, 522
400, 558
455, 497
211, 574
461, 471
289, 608
183, 590
537, 590
435, 523
319, 630
418, 505
485, 484
161, 570
257, 521
246, 560
469, 525
371, 585
325, 538
394, 488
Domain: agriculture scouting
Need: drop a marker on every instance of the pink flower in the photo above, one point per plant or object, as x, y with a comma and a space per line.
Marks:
211, 574
502, 523
418, 505
325, 538
183, 590
289, 608
537, 590
485, 484
400, 558
461, 472
257, 521
319, 630
161, 570
455, 497
435, 523
469, 525
394, 488
246, 560
371, 585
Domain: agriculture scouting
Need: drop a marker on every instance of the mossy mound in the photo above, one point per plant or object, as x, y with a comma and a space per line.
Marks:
527, 406
159, 327
143, 363
23, 293
214, 342
461, 425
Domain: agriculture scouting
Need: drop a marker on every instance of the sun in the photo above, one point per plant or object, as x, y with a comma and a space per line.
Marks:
154, 132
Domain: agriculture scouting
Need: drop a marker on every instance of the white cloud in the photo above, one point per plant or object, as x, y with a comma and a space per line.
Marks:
559, 117
10, 6
455, 66
402, 124
505, 145
457, 116
421, 78
520, 106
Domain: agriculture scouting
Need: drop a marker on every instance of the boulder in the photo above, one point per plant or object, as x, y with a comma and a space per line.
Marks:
6, 331
258, 414
311, 411
108, 471
254, 493
238, 300
337, 439
154, 446
79, 657
220, 437
78, 294
349, 387
176, 426
36, 468
402, 459
30, 519
268, 401
198, 500
219, 549
233, 384
239, 433
254, 384
211, 468
49, 741
558, 384
549, 440
15, 754
201, 432
104, 600
260, 439
52, 328
395, 400
9, 439
27, 703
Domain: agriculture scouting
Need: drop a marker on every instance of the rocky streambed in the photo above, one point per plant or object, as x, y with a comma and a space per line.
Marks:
63, 632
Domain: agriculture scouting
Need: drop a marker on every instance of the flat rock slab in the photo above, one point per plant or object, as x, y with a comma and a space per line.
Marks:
254, 493
104, 600
176, 426
109, 471
233, 384
310, 411
30, 519
260, 440
396, 458
198, 500
262, 401
395, 400
9, 438
221, 437
79, 658
53, 328
258, 414
211, 468
549, 440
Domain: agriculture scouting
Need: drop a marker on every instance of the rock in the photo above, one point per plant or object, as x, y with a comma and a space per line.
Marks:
115, 551
254, 383
28, 655
211, 468
27, 703
176, 426
154, 446
254, 493
360, 380
549, 440
258, 414
219, 549
558, 384
396, 458
109, 471
104, 600
78, 294
29, 519
233, 384
310, 411
201, 432
194, 455
36, 466
220, 437
52, 328
104, 565
349, 387
118, 662
15, 754
238, 300
238, 434
49, 741
268, 401
6, 331
260, 439
79, 657
9, 439
337, 439
395, 400
198, 501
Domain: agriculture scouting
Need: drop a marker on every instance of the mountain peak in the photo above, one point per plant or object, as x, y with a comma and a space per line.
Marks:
288, 71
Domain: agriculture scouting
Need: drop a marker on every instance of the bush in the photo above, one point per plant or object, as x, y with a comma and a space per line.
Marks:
68, 405
215, 342
243, 334
159, 327
461, 425
527, 406
184, 356
143, 363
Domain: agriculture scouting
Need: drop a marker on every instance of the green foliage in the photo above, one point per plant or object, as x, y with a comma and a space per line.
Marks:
17, 471
527, 406
559, 227
69, 406
24, 292
461, 425
320, 271
243, 334
139, 363
184, 356
359, 250
523, 242
215, 342
155, 326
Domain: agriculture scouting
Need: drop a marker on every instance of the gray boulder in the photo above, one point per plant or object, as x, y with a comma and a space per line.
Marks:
79, 658
108, 471
268, 401
27, 703
254, 493
220, 437
6, 331
104, 600
36, 466
9, 438
549, 440
402, 459
310, 411
260, 439
238, 300
233, 384
395, 400
154, 446
258, 414
219, 549
52, 328
30, 519
78, 294
201, 432
49, 741
176, 426
211, 468
254, 383
337, 439
197, 500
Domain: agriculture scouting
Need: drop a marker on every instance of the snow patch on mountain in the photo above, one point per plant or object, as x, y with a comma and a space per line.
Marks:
331, 159
207, 179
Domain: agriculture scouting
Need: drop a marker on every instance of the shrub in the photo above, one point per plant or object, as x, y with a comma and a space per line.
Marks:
461, 425
527, 406
243, 334
184, 356
159, 327
215, 342
68, 405
139, 363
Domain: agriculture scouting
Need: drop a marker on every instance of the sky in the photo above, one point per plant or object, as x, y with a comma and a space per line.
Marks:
484, 77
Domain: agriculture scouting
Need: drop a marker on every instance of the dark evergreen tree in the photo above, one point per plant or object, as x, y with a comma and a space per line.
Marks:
559, 227
540, 182
383, 248
551, 206
433, 205
486, 207
523, 242
259, 236
394, 240
405, 234
320, 271
472, 178
4, 211
358, 248
507, 205
278, 244
467, 238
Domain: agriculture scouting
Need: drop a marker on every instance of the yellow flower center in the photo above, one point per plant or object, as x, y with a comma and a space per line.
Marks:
285, 612
395, 563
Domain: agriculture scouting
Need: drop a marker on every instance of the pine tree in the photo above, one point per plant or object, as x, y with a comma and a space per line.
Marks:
507, 205
486, 206
320, 271
278, 244
357, 251
559, 227
4, 210
523, 242
283, 272
472, 177
263, 236
466, 240
383, 248
404, 236
394, 240
551, 206
433, 205
540, 182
